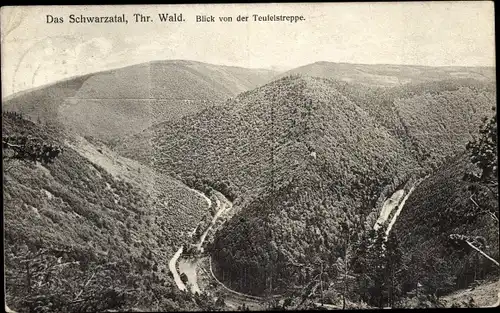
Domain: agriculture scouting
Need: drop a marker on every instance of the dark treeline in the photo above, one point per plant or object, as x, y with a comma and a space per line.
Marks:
13, 115
26, 147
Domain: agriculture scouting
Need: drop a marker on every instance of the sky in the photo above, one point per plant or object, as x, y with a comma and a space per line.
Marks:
36, 53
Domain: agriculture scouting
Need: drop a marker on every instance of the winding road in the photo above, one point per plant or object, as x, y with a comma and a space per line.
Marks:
189, 266
221, 208
173, 269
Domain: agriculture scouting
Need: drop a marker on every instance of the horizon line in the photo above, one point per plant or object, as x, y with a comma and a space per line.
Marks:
269, 68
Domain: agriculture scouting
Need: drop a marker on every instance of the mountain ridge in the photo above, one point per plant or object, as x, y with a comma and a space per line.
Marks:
387, 75
306, 161
137, 96
21, 92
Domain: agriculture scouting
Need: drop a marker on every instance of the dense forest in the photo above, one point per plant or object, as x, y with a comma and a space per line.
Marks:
80, 239
459, 200
309, 160
307, 163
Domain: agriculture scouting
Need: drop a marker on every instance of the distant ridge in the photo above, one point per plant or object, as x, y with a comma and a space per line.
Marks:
126, 100
388, 75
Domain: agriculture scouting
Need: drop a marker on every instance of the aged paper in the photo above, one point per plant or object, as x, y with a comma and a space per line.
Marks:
249, 156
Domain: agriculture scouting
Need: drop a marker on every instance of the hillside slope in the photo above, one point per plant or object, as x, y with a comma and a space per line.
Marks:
484, 295
80, 236
302, 154
270, 133
432, 119
127, 100
444, 204
386, 75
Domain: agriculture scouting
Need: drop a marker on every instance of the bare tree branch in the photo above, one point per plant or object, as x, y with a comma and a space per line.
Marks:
474, 201
11, 145
484, 211
484, 254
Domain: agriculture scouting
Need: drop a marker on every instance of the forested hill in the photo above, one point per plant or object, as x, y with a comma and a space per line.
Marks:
458, 202
127, 100
433, 119
78, 238
309, 158
271, 133
387, 75
298, 119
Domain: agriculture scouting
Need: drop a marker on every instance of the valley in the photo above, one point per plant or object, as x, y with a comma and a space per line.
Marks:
192, 265
196, 187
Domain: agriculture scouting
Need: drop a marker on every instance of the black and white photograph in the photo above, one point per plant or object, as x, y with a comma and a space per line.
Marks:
249, 157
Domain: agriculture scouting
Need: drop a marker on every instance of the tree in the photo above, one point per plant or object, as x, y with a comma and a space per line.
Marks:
483, 155
483, 151
288, 302
483, 183
394, 267
25, 147
377, 265
342, 264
